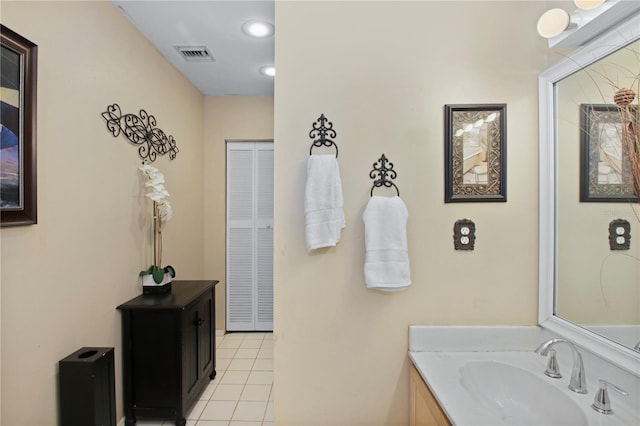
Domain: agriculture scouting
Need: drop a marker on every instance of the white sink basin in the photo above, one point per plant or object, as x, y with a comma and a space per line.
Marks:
489, 376
517, 396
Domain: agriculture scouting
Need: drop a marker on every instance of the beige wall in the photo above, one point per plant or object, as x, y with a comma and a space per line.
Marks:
382, 73
226, 118
340, 352
63, 278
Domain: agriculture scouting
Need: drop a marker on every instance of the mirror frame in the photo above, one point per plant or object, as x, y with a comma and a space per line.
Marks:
617, 37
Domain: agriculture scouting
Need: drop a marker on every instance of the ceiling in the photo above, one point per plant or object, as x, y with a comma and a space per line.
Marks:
217, 26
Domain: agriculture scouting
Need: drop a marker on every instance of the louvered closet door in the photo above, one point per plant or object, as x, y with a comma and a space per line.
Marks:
249, 236
264, 237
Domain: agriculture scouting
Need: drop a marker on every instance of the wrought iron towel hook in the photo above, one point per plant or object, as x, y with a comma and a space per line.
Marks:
140, 130
322, 128
383, 171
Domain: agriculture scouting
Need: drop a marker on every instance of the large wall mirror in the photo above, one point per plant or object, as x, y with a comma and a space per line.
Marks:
589, 288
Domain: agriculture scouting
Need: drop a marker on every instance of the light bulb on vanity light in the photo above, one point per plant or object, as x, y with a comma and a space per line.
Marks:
553, 22
588, 4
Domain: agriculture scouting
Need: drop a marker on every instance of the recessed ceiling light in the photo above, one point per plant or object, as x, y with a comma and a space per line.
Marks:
268, 70
258, 29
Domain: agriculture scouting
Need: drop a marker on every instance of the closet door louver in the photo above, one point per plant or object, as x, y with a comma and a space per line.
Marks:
240, 242
249, 236
264, 244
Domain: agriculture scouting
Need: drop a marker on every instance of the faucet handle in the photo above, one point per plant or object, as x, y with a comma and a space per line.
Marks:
602, 403
553, 368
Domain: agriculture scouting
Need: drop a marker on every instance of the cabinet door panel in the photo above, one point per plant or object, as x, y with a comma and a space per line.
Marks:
189, 350
154, 332
424, 409
205, 336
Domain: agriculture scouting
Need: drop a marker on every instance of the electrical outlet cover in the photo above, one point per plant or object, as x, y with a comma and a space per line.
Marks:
464, 234
619, 234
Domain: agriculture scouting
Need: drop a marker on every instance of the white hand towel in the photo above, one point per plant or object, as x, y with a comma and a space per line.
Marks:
386, 265
323, 205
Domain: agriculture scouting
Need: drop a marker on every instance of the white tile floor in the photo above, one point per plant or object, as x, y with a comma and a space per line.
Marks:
242, 392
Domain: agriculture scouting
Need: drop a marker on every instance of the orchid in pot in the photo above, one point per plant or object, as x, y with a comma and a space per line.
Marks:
156, 278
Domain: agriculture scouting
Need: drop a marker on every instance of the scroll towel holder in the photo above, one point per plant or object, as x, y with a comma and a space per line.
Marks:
322, 129
382, 173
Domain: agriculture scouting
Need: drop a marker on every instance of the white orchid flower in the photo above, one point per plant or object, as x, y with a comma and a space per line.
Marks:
164, 210
162, 213
156, 196
148, 169
159, 188
155, 179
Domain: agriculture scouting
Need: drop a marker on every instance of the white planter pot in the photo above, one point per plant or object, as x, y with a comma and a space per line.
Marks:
149, 286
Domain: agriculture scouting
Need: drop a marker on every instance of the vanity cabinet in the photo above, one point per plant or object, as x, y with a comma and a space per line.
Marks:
168, 351
424, 408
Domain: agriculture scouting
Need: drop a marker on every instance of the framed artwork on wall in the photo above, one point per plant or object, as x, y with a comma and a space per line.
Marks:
475, 153
18, 192
605, 171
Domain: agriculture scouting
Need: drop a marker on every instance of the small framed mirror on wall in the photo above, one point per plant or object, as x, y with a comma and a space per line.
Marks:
475, 153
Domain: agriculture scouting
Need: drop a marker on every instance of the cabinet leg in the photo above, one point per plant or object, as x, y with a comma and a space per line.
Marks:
130, 421
212, 375
181, 422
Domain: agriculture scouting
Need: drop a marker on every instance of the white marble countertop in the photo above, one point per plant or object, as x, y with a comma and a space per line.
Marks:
440, 352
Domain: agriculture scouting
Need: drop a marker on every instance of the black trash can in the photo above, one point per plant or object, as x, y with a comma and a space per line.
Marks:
87, 388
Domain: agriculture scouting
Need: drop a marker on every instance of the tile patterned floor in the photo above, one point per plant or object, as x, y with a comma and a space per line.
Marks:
242, 392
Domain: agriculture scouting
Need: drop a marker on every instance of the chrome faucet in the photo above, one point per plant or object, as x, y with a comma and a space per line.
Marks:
578, 381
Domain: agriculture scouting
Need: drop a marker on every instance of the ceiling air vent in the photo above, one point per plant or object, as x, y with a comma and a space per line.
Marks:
195, 53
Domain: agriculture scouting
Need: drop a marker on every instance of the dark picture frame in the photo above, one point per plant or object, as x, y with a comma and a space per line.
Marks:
475, 153
18, 193
605, 176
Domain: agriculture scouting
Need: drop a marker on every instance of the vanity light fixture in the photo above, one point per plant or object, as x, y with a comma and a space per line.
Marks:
268, 70
258, 29
591, 18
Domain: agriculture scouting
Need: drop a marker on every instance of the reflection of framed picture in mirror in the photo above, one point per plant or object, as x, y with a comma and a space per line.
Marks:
475, 143
18, 129
605, 171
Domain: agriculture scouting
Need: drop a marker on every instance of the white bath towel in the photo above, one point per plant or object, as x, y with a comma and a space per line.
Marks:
386, 265
323, 205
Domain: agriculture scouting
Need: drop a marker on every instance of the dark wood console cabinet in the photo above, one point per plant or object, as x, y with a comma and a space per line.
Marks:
168, 351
